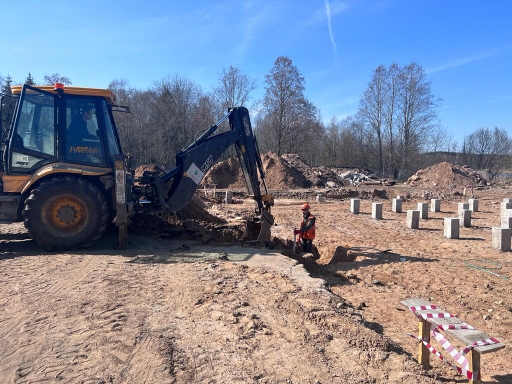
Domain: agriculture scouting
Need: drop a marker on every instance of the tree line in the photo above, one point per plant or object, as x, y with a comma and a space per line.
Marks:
395, 132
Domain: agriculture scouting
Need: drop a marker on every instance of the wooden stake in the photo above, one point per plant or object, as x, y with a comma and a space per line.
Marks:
474, 365
423, 352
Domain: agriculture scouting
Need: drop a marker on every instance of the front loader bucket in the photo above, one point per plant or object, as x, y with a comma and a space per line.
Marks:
258, 228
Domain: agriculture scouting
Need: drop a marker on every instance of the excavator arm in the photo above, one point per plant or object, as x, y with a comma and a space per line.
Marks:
173, 190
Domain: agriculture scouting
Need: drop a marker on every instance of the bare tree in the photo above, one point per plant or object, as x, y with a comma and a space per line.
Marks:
284, 97
372, 112
399, 116
353, 141
129, 125
172, 110
485, 147
164, 118
233, 89
332, 144
417, 114
392, 87
310, 133
440, 141
56, 78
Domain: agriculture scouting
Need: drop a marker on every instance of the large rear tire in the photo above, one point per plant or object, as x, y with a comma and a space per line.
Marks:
65, 212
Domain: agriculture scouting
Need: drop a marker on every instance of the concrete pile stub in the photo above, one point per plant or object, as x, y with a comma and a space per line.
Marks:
229, 197
473, 205
354, 205
465, 218
504, 207
397, 205
435, 205
320, 198
461, 207
506, 212
423, 208
506, 221
377, 211
451, 227
501, 238
413, 219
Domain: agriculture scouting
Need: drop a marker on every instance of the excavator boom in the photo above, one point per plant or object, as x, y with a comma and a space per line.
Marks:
175, 189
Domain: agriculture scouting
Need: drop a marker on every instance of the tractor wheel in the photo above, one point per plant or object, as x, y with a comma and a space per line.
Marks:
65, 212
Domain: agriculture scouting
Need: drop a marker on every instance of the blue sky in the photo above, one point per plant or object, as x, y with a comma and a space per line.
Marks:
465, 46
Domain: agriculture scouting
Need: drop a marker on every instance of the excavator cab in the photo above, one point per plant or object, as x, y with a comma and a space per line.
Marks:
52, 126
58, 163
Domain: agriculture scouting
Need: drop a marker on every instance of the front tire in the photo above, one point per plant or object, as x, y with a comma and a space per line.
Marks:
65, 212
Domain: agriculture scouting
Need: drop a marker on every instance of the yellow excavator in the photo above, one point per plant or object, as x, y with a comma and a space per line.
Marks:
64, 174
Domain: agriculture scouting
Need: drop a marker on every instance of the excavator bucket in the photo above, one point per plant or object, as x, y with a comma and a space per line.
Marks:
267, 221
252, 230
258, 228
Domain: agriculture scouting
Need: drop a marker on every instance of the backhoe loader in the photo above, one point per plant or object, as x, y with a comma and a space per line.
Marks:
64, 174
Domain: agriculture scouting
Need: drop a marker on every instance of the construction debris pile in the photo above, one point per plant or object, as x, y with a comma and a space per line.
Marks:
356, 178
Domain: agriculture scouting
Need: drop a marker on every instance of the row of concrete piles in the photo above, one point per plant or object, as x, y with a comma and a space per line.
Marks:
501, 236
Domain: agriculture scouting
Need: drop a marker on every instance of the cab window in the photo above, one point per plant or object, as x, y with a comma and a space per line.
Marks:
33, 139
113, 145
83, 143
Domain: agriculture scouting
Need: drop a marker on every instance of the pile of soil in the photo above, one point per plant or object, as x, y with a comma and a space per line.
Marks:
225, 174
278, 174
446, 176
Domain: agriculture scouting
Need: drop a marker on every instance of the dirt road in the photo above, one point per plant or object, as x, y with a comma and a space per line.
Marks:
175, 312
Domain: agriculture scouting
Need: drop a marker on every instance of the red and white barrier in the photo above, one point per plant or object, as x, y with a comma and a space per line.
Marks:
458, 356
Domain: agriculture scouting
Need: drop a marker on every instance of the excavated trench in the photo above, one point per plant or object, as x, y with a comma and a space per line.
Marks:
218, 233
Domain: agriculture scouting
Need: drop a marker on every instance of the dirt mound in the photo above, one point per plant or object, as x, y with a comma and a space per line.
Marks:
446, 176
336, 254
225, 174
278, 174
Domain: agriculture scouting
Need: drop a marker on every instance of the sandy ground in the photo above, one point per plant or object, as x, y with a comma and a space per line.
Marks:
167, 311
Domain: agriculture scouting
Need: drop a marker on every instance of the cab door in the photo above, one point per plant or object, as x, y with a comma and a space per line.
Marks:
33, 140
83, 133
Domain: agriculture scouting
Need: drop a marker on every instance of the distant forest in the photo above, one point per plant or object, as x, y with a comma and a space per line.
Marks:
395, 132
